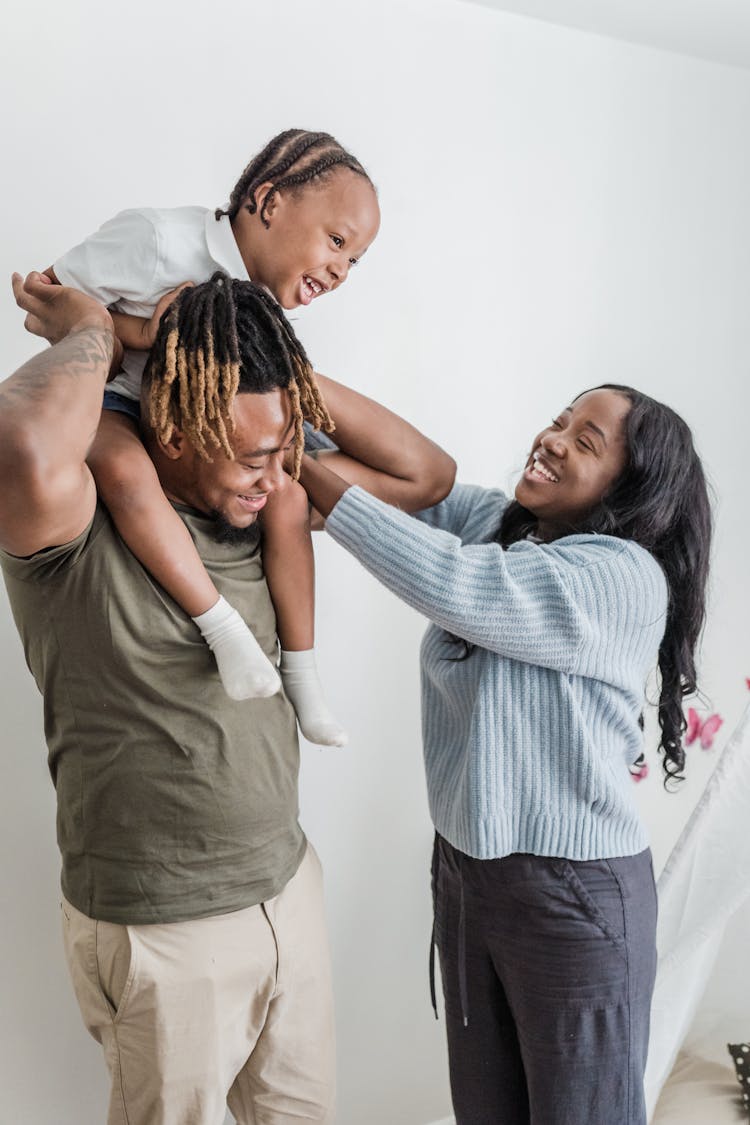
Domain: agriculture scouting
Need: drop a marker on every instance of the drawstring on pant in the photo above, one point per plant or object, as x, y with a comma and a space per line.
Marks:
434, 873
463, 990
433, 996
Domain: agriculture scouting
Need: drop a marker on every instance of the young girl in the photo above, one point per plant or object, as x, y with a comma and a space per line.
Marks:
548, 611
301, 215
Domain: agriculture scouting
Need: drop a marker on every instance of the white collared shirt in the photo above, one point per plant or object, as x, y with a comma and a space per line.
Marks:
141, 254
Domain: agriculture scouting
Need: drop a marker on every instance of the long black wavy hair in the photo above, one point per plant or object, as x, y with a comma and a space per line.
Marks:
660, 501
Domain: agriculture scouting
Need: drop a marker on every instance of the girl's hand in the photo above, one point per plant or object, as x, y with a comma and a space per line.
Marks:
161, 308
139, 333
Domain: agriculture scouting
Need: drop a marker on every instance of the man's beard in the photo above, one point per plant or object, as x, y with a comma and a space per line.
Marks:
226, 532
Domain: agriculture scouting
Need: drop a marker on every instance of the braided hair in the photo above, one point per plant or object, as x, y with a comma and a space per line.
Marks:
218, 340
289, 160
660, 501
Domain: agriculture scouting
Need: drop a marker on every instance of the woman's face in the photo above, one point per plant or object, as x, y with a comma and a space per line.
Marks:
574, 461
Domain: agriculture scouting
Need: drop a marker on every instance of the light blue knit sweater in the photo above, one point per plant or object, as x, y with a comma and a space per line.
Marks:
527, 742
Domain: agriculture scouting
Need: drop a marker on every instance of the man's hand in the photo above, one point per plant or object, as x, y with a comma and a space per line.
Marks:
54, 311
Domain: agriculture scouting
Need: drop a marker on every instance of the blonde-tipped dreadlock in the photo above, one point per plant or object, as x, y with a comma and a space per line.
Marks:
218, 340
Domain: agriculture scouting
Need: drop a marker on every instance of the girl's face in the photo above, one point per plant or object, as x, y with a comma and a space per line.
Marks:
314, 237
574, 462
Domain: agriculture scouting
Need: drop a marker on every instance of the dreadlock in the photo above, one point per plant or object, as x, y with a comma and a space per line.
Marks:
289, 160
218, 340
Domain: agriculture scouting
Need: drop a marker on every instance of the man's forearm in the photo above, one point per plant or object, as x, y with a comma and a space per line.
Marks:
49, 413
50, 407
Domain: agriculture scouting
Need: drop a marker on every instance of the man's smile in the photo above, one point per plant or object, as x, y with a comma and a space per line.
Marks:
253, 503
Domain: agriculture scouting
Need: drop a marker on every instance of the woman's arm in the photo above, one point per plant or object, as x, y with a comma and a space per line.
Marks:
382, 453
560, 606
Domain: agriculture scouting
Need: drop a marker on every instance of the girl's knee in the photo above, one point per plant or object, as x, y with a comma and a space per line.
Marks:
124, 474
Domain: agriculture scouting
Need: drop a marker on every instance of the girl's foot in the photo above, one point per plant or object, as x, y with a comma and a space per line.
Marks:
244, 669
304, 690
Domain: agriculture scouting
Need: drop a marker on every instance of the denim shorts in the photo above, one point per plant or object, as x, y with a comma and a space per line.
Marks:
122, 404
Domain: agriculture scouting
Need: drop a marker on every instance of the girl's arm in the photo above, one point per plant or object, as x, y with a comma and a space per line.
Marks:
383, 453
138, 332
135, 332
559, 606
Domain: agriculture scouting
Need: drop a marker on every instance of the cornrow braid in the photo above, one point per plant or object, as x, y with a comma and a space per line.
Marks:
218, 340
290, 160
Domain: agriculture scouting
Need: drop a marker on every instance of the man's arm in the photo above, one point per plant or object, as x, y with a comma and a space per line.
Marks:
49, 413
382, 453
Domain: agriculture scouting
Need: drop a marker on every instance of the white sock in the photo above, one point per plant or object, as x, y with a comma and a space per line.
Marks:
244, 669
301, 684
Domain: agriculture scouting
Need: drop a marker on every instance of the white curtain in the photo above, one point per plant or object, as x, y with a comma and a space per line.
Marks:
702, 994
702, 989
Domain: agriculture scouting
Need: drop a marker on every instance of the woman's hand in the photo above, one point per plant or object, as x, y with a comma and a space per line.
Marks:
324, 488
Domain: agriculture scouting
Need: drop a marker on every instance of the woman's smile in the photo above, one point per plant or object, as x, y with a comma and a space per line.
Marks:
539, 469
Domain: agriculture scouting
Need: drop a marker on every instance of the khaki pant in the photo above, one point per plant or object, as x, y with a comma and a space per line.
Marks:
231, 1010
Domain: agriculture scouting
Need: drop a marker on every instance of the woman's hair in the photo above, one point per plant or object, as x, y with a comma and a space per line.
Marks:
661, 502
289, 161
218, 340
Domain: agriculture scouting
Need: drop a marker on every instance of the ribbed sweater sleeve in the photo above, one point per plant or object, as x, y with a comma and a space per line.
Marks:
583, 605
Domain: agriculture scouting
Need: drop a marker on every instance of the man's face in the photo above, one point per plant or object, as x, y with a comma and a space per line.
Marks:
237, 490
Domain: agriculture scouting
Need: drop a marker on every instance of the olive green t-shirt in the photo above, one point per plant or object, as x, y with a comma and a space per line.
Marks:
174, 801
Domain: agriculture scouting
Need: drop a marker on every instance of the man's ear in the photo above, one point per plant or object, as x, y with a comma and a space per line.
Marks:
174, 449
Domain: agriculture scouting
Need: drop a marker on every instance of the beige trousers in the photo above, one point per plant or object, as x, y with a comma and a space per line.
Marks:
231, 1010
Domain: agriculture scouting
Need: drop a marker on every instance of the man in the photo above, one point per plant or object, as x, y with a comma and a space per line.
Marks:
192, 910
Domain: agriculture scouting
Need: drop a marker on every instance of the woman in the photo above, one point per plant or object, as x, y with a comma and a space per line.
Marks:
549, 612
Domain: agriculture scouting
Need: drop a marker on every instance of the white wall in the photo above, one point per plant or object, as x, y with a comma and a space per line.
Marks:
559, 210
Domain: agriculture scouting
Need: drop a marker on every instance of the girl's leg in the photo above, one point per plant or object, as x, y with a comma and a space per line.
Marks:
488, 1084
290, 572
574, 945
129, 486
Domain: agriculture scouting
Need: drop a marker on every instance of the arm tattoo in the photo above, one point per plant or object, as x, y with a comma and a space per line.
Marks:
85, 354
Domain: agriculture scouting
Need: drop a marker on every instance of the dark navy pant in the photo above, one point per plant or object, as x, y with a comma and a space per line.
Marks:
548, 969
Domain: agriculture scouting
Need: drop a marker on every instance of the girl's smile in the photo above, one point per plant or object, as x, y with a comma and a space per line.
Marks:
310, 288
